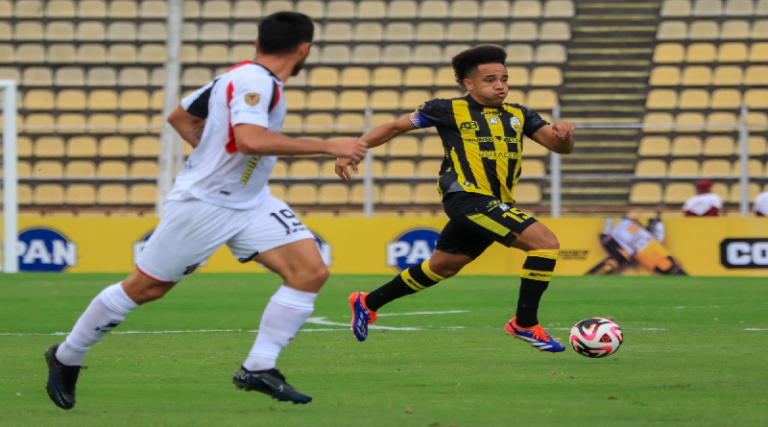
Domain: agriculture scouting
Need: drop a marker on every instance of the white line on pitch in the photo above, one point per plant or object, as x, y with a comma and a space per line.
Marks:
417, 313
322, 321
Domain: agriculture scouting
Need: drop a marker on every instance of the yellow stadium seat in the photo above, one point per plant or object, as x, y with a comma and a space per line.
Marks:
661, 99
541, 99
81, 146
399, 32
448, 94
339, 9
324, 77
519, 54
353, 100
37, 76
668, 53
358, 194
645, 193
418, 76
154, 9
333, 194
518, 76
754, 168
697, 75
757, 120
433, 9
122, 54
550, 54
396, 54
412, 99
321, 122
665, 76
304, 168
295, 99
215, 54
735, 30
368, 32
48, 194
755, 146
371, 9
721, 119
403, 146
353, 122
534, 168
216, 9
452, 50
112, 169
716, 167
674, 8
23, 169
430, 32
80, 169
726, 99
426, 194
672, 30
399, 168
732, 52
461, 31
23, 146
700, 52
532, 149
684, 167
396, 194
112, 194
651, 146
559, 31
48, 169
44, 121
689, 122
734, 196
678, 192
60, 31
60, 9
139, 77
363, 54
523, 31
102, 100
355, 77
721, 190
728, 75
7, 54
491, 32
91, 54
559, 9
322, 100
337, 32
430, 168
123, 9
80, 194
427, 53
527, 193
38, 100
518, 97
143, 169
686, 146
28, 31
101, 77
49, 146
385, 100
432, 146
70, 123
758, 52
657, 119
302, 194
694, 99
651, 168
192, 9
738, 8
756, 75
707, 8
387, 76
495, 9
761, 8
756, 98
703, 30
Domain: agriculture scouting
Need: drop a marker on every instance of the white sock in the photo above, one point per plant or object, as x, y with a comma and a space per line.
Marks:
105, 312
286, 312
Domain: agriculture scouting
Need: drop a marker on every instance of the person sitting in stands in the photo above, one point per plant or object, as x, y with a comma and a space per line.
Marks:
704, 203
761, 204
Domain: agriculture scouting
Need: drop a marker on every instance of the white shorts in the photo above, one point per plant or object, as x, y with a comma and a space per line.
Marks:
190, 231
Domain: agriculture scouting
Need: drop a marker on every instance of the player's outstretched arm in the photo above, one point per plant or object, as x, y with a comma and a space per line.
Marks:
258, 140
188, 126
557, 138
377, 136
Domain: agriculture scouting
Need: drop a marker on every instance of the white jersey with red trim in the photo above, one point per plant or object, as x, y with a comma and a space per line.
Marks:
761, 204
701, 204
216, 172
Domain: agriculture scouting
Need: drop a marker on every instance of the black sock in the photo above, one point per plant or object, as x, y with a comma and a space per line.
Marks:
534, 280
410, 281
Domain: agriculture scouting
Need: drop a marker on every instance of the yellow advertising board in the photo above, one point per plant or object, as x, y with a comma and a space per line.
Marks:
701, 246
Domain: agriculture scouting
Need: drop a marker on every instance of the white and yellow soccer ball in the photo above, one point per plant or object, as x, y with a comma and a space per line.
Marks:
596, 337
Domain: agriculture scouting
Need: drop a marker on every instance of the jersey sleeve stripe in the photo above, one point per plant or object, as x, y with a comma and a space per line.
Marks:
231, 146
275, 97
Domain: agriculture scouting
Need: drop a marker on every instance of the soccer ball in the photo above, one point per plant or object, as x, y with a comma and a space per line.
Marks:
596, 337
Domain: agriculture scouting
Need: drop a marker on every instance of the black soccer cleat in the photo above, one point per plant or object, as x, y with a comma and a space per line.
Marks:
61, 380
270, 382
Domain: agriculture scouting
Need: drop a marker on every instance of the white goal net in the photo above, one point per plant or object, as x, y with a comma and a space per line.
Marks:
8, 179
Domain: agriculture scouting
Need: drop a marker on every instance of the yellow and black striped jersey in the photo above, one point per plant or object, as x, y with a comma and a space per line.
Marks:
483, 145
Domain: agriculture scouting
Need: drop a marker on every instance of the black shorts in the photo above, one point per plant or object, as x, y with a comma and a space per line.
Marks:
476, 221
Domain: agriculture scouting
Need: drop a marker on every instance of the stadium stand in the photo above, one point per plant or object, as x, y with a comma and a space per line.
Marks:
91, 76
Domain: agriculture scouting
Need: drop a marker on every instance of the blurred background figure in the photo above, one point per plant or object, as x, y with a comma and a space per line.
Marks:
704, 203
761, 204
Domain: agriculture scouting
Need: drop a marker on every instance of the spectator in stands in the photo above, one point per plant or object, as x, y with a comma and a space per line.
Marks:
761, 204
704, 203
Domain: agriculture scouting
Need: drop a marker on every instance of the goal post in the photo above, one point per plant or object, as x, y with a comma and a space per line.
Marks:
10, 211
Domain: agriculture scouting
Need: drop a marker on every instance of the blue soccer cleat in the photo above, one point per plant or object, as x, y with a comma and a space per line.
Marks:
536, 336
361, 316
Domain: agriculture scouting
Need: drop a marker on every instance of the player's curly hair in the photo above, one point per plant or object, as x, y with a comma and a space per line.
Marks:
467, 61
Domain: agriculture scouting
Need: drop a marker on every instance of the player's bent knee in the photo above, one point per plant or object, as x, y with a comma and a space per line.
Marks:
309, 278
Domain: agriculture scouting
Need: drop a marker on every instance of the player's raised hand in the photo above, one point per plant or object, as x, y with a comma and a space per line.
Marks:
342, 168
351, 148
563, 130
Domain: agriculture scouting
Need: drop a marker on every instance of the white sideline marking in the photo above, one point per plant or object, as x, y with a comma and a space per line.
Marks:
696, 306
755, 329
322, 321
416, 313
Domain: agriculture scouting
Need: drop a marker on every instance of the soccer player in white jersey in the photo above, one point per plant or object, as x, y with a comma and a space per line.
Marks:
221, 197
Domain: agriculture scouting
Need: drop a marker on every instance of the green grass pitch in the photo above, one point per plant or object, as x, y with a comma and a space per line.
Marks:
695, 354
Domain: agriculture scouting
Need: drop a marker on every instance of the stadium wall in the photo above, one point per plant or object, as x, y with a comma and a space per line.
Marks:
702, 246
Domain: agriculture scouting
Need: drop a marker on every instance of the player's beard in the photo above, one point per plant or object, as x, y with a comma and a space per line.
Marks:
298, 67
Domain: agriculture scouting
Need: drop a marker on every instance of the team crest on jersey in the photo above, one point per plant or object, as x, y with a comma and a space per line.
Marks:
252, 98
494, 121
515, 123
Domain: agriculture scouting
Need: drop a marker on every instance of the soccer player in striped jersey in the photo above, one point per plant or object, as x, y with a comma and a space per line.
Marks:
483, 141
